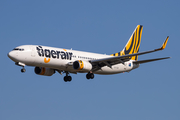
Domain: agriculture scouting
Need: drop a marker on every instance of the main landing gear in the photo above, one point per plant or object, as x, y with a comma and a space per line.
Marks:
67, 78
90, 75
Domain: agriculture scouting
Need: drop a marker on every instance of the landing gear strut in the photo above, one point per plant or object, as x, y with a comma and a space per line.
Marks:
90, 75
22, 65
67, 78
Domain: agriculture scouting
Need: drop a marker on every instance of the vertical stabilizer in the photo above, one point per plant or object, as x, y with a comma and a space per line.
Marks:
133, 44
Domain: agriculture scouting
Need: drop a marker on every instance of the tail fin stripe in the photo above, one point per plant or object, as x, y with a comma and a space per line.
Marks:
137, 40
133, 44
130, 48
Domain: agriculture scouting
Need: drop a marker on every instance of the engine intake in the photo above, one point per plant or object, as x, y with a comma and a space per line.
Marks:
80, 65
44, 71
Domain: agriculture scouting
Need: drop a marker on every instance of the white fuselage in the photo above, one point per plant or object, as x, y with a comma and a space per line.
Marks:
62, 59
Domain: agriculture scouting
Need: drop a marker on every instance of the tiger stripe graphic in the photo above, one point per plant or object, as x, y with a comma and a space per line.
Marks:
133, 44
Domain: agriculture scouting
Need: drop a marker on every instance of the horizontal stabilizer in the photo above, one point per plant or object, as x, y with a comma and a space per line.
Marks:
150, 60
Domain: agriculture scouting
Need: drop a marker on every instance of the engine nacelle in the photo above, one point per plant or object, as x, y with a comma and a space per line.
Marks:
44, 71
83, 66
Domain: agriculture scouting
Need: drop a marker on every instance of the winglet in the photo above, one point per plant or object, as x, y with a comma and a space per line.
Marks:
164, 44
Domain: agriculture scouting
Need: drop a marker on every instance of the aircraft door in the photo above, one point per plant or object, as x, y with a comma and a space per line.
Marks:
33, 54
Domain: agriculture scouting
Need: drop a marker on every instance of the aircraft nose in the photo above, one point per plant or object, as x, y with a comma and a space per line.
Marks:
11, 55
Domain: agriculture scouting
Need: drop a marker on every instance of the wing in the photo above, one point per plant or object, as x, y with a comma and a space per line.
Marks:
112, 60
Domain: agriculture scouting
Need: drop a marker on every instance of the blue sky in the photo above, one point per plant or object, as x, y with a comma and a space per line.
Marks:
150, 92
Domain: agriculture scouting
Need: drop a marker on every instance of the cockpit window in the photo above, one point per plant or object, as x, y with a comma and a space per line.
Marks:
19, 49
16, 49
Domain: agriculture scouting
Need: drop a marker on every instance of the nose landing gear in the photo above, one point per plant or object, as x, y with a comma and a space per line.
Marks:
22, 65
23, 70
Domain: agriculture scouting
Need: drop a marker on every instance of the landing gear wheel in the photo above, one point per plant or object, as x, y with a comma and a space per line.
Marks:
23, 70
67, 78
90, 76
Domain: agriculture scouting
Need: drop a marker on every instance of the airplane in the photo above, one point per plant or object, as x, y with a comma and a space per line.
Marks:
48, 60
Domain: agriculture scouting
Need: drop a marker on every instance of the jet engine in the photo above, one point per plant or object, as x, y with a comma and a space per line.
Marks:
83, 66
44, 71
